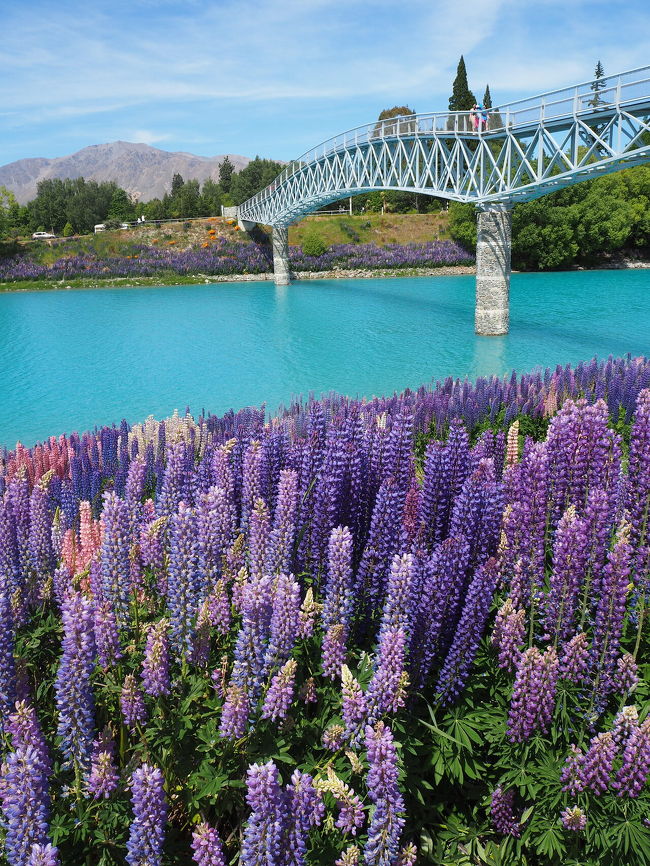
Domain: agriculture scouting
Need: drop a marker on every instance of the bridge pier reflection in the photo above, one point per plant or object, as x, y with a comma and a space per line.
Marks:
493, 245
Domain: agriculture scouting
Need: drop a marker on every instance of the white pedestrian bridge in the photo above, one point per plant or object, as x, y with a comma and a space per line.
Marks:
515, 152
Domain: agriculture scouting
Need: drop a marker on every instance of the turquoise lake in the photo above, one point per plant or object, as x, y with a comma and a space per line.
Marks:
72, 359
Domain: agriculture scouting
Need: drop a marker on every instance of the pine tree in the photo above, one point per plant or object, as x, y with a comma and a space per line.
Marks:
487, 97
226, 169
462, 98
599, 83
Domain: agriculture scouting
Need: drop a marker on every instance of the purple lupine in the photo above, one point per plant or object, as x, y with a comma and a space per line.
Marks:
337, 607
352, 815
533, 694
104, 777
279, 697
386, 691
252, 480
206, 846
382, 543
610, 615
309, 612
25, 730
573, 818
174, 489
397, 611
284, 523
624, 724
216, 529
477, 513
596, 769
25, 804
508, 634
115, 559
333, 651
569, 565
633, 773
40, 538
106, 635
74, 695
387, 820
333, 738
637, 495
460, 657
249, 668
306, 810
133, 490
44, 855
437, 605
219, 607
598, 517
408, 855
184, 593
132, 704
445, 470
7, 661
308, 693
234, 716
264, 835
571, 775
502, 813
147, 830
353, 706
627, 677
202, 636
155, 665
259, 538
285, 621
574, 662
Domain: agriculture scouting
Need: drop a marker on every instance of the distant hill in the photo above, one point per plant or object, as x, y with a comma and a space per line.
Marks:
143, 171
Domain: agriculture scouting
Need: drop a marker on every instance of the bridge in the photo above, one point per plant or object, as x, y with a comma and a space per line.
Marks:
520, 151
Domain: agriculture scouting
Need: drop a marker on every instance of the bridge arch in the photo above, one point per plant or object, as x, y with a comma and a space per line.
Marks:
525, 149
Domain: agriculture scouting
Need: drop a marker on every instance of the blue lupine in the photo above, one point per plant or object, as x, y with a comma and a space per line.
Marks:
147, 831
25, 803
115, 562
387, 820
184, 590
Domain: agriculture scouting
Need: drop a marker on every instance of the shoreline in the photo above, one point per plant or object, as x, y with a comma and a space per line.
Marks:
336, 274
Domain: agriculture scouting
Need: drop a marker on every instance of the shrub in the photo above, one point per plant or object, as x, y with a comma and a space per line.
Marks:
314, 245
68, 231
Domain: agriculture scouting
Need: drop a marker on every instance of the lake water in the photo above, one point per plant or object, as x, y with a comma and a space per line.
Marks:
72, 359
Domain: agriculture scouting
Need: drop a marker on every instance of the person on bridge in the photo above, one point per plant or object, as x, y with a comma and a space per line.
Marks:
479, 117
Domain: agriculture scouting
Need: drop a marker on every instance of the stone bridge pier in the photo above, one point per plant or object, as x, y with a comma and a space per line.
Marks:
493, 245
280, 241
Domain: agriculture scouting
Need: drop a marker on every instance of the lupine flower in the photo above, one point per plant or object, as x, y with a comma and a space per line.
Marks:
285, 621
282, 535
309, 611
596, 770
147, 831
264, 835
202, 636
74, 695
627, 677
25, 804
280, 694
308, 693
104, 777
106, 635
571, 775
350, 857
575, 659
508, 634
115, 561
337, 607
306, 810
352, 815
397, 612
207, 847
456, 668
249, 669
633, 773
259, 538
408, 855
184, 594
219, 607
502, 812
25, 730
353, 708
386, 822
533, 694
625, 722
132, 704
573, 818
44, 855
7, 662
569, 565
333, 650
386, 692
333, 738
155, 666
234, 716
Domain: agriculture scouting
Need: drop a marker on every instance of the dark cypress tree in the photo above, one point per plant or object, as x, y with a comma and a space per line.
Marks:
462, 98
599, 83
487, 97
226, 169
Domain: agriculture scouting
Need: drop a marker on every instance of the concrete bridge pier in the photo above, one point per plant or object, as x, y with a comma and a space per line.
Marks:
280, 241
493, 245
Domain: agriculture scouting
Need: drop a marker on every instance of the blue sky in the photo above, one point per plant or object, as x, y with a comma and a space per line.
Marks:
275, 77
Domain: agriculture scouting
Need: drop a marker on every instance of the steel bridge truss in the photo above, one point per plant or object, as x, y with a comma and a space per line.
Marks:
521, 151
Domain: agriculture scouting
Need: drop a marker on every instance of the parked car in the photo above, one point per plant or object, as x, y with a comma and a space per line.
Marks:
40, 235
102, 227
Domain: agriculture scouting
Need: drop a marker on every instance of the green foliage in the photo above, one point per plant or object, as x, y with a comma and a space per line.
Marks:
462, 98
313, 245
226, 170
252, 179
68, 230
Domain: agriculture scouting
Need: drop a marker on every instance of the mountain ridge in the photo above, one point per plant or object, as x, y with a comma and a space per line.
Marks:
144, 171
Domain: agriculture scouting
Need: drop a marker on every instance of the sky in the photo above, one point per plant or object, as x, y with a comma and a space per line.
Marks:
276, 77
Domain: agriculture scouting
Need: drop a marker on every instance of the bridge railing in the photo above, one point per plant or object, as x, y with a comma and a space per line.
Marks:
605, 94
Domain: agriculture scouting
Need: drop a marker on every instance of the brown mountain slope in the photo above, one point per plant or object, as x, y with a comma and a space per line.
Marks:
143, 171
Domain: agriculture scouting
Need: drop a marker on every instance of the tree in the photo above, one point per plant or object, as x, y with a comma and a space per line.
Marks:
121, 207
398, 127
177, 184
258, 174
599, 83
487, 97
226, 170
7, 204
211, 197
462, 98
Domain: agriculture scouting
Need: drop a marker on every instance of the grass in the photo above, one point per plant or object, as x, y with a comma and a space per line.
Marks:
375, 228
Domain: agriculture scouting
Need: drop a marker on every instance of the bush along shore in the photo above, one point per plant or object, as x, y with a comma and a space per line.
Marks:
410, 629
223, 259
